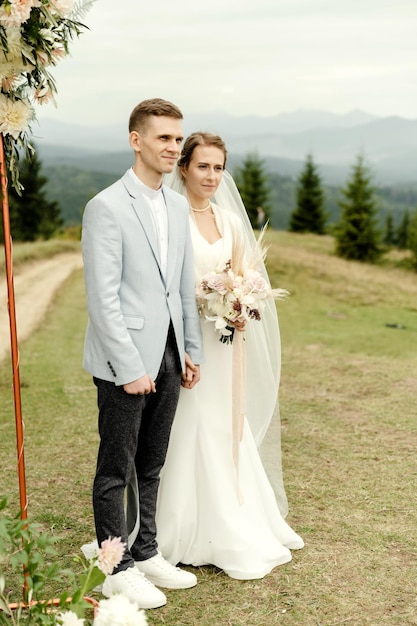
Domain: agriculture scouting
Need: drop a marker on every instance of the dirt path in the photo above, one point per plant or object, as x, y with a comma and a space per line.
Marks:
34, 287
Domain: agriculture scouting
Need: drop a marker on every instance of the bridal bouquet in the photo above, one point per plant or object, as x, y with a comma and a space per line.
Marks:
235, 293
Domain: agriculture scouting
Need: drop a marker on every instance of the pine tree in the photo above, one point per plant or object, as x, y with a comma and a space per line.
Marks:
252, 183
357, 236
32, 215
389, 236
402, 231
309, 215
412, 238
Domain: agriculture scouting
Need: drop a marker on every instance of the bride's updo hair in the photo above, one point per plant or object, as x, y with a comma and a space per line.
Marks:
200, 139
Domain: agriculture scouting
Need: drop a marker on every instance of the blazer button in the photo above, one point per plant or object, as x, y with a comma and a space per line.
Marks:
167, 294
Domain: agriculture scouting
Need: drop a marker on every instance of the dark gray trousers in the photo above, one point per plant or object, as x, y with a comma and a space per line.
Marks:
134, 435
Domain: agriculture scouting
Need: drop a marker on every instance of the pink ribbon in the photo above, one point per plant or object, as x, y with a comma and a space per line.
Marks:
238, 398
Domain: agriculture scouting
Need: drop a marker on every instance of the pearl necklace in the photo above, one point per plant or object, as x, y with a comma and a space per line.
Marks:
201, 210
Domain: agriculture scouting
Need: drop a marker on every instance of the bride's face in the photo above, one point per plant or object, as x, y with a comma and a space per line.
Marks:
204, 173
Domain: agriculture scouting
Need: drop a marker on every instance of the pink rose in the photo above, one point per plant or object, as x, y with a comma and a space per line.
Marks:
218, 282
254, 281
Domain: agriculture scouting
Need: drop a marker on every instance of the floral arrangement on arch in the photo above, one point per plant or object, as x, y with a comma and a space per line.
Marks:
237, 292
34, 36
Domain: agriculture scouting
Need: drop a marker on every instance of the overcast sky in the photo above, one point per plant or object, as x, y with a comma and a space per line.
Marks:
244, 57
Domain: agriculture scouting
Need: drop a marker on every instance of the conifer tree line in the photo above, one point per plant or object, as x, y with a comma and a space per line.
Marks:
32, 215
357, 234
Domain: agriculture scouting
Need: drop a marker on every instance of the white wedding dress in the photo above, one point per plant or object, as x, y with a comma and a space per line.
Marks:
200, 517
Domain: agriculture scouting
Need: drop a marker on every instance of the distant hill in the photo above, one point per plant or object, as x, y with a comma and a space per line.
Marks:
390, 144
81, 160
73, 187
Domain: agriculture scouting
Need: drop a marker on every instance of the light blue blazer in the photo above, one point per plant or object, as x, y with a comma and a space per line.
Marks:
129, 302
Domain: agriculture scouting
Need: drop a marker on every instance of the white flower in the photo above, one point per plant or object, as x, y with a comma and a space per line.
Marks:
119, 611
14, 45
11, 62
47, 34
15, 12
219, 322
218, 307
63, 7
8, 76
15, 116
68, 618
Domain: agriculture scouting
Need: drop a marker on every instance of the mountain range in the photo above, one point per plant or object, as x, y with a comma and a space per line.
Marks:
282, 141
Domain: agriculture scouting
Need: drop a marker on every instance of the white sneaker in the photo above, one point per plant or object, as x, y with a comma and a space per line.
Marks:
163, 574
133, 584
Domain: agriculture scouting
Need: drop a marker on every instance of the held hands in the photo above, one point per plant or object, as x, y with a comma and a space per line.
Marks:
191, 376
145, 384
141, 386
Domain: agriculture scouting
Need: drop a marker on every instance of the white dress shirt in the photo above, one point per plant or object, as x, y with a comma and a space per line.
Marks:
157, 208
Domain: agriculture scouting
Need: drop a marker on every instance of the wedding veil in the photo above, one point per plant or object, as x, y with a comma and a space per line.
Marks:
263, 347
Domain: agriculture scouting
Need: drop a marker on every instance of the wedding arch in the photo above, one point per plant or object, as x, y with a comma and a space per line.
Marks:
34, 36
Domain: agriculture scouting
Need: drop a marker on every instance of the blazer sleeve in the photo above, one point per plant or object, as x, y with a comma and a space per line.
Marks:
102, 256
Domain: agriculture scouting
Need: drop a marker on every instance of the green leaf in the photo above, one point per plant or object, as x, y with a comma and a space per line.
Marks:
96, 578
4, 607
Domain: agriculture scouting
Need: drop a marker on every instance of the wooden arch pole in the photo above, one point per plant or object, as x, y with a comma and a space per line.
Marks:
13, 333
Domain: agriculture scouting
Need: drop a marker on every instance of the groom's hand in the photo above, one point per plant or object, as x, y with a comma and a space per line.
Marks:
141, 386
191, 376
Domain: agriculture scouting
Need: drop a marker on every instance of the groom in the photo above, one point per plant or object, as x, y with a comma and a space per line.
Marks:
143, 338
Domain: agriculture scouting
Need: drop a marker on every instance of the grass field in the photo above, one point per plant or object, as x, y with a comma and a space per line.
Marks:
349, 440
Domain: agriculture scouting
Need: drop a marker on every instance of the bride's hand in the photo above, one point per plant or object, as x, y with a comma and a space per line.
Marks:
240, 325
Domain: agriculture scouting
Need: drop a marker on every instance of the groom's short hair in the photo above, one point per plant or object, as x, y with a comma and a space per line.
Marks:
154, 106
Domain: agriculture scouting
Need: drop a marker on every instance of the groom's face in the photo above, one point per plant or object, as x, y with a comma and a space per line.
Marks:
159, 144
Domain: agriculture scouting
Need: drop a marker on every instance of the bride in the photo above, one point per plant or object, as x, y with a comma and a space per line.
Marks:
211, 511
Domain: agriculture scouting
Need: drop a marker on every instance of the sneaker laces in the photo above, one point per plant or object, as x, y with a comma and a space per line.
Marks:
133, 571
163, 564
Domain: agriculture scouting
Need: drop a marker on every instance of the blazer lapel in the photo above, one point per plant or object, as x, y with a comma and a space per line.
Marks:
172, 238
143, 215
145, 219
